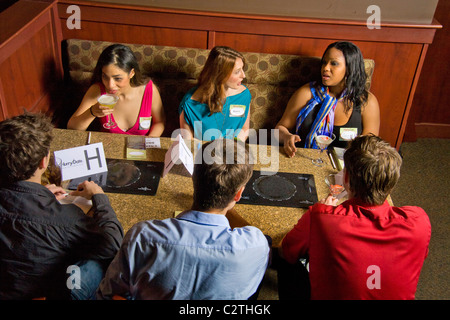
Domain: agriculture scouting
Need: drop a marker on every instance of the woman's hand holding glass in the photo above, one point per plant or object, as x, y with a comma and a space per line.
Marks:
106, 103
99, 111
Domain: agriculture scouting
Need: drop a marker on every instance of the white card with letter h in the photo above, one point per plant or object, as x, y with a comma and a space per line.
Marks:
81, 161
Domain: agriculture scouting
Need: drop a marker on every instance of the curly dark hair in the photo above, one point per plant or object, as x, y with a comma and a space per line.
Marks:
24, 141
356, 77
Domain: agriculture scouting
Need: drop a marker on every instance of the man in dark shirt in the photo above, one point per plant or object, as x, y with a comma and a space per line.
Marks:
48, 249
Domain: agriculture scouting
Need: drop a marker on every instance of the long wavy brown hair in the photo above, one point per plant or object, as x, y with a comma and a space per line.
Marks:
217, 70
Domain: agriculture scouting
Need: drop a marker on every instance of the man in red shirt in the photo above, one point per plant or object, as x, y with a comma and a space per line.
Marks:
363, 248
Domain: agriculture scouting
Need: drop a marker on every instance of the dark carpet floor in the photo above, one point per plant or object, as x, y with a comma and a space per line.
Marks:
425, 182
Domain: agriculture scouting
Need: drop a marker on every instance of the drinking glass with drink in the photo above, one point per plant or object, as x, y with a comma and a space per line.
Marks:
108, 100
323, 141
335, 184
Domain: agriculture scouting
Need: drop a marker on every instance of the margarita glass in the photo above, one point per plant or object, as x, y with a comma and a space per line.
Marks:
323, 141
108, 100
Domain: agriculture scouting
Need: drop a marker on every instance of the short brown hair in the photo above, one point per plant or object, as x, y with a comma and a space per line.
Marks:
217, 70
24, 141
225, 167
373, 167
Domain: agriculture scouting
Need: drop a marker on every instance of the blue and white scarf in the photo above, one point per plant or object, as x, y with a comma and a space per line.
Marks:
324, 122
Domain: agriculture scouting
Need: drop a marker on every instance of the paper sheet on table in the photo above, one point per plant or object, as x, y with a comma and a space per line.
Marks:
153, 143
178, 152
81, 202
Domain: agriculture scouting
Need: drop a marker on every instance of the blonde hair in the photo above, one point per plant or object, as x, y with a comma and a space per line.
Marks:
217, 70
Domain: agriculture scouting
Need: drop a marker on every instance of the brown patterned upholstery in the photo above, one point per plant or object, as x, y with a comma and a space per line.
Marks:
271, 78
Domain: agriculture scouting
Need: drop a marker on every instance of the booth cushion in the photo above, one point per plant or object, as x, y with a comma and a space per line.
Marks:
271, 78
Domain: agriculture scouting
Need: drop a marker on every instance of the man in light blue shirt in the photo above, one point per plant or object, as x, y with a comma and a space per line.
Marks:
196, 255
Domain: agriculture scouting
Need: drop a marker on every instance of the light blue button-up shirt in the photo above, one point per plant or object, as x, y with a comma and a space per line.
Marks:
194, 256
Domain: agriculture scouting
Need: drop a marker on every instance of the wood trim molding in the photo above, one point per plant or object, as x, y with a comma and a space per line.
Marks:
21, 31
30, 57
411, 96
250, 24
432, 130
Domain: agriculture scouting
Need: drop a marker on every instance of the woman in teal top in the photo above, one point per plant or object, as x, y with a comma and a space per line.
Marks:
219, 105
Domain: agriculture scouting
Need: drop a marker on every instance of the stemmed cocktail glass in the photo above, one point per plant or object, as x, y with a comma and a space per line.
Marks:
108, 100
323, 141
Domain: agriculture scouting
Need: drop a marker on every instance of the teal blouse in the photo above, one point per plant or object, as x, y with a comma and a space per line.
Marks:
226, 124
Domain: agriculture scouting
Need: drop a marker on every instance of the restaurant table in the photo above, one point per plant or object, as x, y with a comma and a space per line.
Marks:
175, 190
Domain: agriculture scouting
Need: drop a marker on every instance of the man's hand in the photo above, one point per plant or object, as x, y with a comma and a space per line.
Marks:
87, 189
330, 201
59, 192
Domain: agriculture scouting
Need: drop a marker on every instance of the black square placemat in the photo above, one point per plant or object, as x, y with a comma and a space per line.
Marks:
126, 176
281, 189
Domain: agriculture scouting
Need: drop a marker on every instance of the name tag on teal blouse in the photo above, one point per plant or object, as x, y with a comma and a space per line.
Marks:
237, 110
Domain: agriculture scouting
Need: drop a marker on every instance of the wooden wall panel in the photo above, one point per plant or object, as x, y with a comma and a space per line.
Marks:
430, 112
16, 70
398, 50
127, 15
137, 34
30, 63
271, 44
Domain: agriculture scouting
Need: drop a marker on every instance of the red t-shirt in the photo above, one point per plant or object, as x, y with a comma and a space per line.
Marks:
357, 251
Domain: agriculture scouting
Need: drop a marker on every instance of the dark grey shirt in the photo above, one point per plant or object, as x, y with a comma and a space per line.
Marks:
40, 238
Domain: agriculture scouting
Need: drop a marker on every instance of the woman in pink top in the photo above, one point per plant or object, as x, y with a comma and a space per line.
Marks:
139, 110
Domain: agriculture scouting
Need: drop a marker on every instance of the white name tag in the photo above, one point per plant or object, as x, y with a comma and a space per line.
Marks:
81, 161
237, 110
347, 134
144, 123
